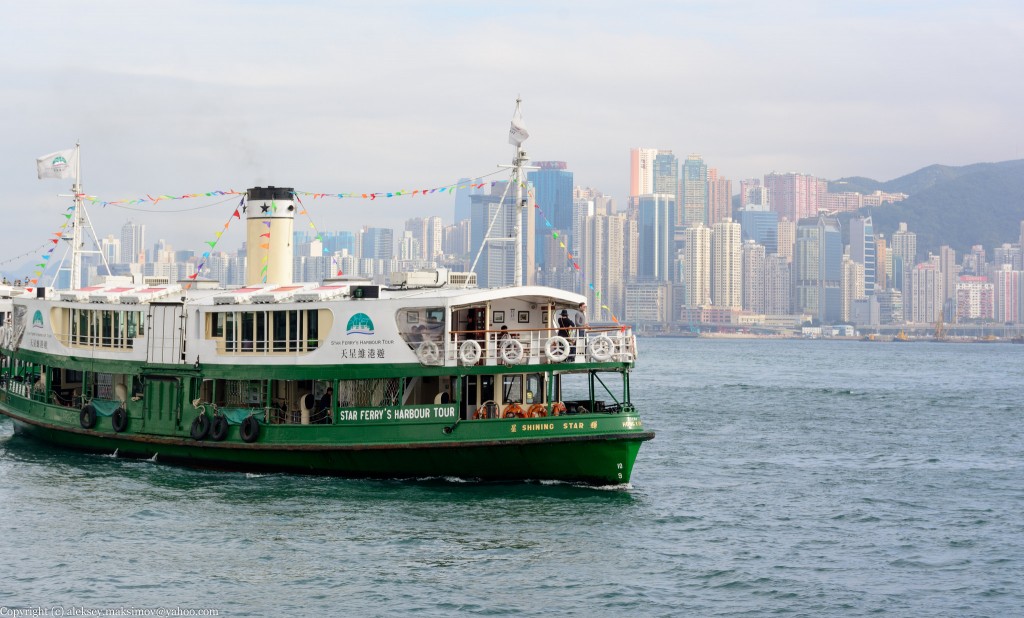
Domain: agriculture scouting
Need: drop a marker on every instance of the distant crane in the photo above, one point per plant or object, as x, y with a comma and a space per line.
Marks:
940, 327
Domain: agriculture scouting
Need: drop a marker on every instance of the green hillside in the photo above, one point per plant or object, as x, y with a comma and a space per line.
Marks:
975, 204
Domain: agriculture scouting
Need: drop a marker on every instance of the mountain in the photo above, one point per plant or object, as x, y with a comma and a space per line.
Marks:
978, 204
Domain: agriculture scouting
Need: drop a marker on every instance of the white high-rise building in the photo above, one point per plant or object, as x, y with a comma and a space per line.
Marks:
851, 285
697, 269
778, 285
753, 277
133, 242
111, 248
726, 264
603, 262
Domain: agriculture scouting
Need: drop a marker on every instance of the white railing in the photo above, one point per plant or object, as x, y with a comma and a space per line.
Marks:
530, 346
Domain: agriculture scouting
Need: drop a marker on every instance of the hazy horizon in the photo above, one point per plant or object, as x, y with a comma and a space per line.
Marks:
189, 97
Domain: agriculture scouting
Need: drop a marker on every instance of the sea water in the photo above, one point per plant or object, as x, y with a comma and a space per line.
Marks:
810, 478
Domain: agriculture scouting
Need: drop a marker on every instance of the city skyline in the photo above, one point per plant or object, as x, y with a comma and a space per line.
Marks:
373, 99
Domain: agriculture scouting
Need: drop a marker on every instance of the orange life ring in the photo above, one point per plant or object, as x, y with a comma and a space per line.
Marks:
537, 410
558, 409
481, 412
514, 411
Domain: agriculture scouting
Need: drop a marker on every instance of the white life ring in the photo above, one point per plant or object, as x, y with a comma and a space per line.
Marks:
469, 352
428, 353
511, 351
601, 348
557, 348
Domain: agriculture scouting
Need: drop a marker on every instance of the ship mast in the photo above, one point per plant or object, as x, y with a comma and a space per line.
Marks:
516, 136
81, 221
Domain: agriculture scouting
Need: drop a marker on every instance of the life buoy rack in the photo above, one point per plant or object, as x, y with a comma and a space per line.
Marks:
537, 410
601, 348
250, 429
119, 420
511, 351
470, 352
219, 428
428, 353
514, 410
87, 417
484, 411
557, 348
557, 409
200, 427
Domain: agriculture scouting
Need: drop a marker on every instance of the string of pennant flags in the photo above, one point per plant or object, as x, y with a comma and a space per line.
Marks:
45, 257
473, 183
205, 257
569, 256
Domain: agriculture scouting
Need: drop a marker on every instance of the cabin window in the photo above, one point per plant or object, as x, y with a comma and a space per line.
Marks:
112, 329
416, 324
534, 388
512, 389
244, 332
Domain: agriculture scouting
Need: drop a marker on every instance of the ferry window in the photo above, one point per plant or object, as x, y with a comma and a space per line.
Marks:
294, 334
512, 389
280, 328
312, 327
229, 330
106, 322
248, 331
534, 388
486, 388
217, 324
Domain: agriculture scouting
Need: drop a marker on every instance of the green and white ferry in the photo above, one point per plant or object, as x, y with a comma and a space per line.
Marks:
410, 380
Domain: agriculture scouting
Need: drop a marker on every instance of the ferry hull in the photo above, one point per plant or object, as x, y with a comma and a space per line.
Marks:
601, 459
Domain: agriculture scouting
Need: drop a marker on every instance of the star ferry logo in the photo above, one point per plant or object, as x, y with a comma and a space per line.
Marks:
359, 324
37, 319
59, 163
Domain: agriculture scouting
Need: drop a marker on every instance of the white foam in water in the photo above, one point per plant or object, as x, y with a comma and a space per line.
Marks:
153, 458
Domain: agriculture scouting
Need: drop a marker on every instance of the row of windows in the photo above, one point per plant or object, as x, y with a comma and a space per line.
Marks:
266, 331
99, 328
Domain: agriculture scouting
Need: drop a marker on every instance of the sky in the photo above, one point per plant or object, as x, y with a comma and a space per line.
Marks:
337, 97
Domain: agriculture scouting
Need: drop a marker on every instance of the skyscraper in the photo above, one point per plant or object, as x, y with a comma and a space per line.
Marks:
719, 197
693, 193
795, 196
851, 285
928, 295
787, 238
697, 266
862, 250
603, 261
496, 266
817, 262
778, 286
655, 218
133, 242
761, 225
726, 265
641, 173
753, 276
553, 191
666, 173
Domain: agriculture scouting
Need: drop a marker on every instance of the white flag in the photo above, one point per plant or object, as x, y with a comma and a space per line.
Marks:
518, 133
60, 164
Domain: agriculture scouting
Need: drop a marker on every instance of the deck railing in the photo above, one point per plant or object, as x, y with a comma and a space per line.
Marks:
530, 346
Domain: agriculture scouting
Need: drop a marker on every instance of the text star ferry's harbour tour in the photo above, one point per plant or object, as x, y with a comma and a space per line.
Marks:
415, 378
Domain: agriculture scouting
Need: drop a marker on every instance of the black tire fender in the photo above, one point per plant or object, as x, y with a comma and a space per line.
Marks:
250, 429
200, 427
87, 417
219, 429
119, 420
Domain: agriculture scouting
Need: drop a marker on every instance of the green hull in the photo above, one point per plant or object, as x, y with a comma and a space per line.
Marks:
594, 449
